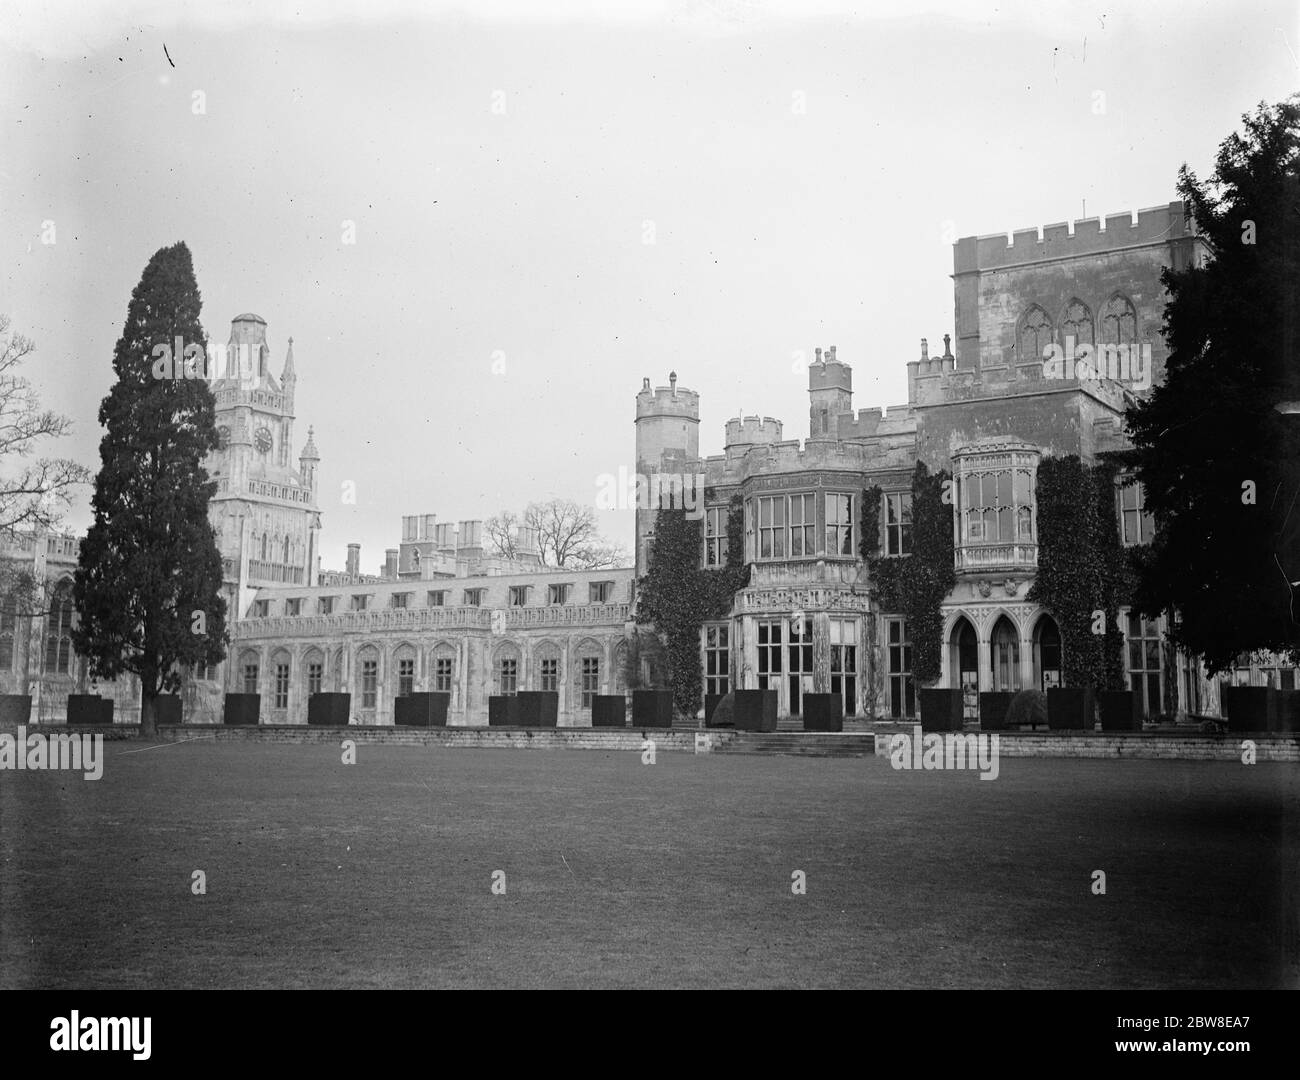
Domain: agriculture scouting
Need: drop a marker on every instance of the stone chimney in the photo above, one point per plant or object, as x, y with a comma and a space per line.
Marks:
390, 564
354, 560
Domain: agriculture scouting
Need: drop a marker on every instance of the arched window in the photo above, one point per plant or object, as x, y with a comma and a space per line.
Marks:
415, 559
1077, 322
263, 547
285, 560
1004, 653
58, 631
1118, 321
1035, 335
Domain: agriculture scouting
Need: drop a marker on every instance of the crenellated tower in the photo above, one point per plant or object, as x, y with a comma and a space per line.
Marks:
667, 441
830, 390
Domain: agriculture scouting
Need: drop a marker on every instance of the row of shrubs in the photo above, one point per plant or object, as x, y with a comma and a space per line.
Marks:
1247, 709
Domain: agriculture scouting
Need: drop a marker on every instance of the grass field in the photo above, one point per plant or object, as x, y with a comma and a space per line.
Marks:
620, 874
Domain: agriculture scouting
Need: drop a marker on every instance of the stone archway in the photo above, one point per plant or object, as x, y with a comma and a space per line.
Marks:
1048, 654
963, 664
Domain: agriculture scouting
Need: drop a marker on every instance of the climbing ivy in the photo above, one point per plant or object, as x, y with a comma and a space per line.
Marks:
915, 585
677, 596
1083, 572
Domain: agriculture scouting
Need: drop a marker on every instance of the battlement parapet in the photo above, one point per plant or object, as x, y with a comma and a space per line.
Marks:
753, 430
1086, 236
670, 400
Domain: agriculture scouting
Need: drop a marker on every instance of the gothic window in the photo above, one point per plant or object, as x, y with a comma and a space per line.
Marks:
281, 682
58, 632
285, 559
590, 679
264, 547
548, 669
1118, 321
1035, 334
507, 675
369, 664
406, 672
1077, 322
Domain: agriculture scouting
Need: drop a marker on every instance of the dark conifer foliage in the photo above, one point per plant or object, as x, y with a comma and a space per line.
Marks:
148, 586
1217, 446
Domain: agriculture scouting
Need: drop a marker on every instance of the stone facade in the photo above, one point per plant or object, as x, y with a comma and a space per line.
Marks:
989, 415
444, 615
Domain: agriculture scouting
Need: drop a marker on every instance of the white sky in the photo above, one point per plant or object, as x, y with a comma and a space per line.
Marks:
805, 167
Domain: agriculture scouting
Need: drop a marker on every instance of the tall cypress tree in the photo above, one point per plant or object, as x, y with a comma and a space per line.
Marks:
1217, 446
148, 586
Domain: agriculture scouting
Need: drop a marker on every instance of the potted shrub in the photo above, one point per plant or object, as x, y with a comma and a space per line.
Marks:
995, 710
1071, 708
242, 709
652, 708
1120, 710
609, 711
823, 712
754, 710
329, 710
941, 708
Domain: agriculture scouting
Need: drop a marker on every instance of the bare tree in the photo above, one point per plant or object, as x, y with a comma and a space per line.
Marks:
567, 536
501, 536
34, 492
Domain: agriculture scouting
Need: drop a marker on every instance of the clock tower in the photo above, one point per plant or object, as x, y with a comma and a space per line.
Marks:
265, 512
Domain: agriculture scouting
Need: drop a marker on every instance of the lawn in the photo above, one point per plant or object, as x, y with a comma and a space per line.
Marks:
620, 874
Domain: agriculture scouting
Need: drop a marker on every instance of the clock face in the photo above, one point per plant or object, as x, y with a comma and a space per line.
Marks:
263, 440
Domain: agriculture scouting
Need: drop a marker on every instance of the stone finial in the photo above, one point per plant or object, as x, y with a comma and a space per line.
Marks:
672, 381
947, 346
819, 355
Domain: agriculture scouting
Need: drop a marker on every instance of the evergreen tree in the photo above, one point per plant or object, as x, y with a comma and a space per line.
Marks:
1217, 446
148, 586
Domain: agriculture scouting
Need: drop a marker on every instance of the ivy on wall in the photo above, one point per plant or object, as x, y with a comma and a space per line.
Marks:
1083, 572
677, 596
915, 585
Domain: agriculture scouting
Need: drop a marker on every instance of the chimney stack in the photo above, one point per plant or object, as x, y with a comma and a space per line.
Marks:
390, 564
925, 351
354, 560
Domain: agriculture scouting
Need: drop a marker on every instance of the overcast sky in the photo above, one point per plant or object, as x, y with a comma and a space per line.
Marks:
802, 170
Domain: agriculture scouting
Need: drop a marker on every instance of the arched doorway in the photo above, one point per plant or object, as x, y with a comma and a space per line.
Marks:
1004, 656
1047, 653
963, 665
